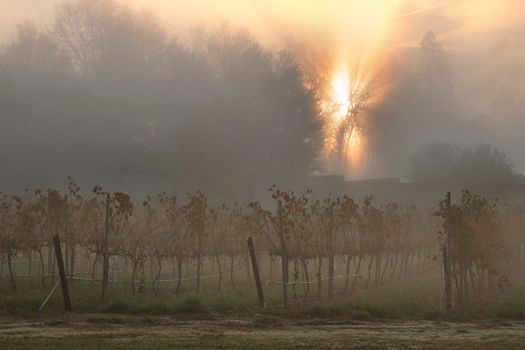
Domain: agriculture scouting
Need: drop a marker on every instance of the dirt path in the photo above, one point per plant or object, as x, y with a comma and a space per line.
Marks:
140, 332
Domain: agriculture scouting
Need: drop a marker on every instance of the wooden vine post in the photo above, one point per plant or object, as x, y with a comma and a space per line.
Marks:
331, 253
256, 273
105, 256
62, 273
284, 255
447, 264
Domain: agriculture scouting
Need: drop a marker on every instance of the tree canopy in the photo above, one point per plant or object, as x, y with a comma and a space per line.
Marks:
441, 162
107, 94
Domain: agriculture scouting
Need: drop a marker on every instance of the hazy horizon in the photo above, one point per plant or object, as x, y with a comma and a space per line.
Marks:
369, 44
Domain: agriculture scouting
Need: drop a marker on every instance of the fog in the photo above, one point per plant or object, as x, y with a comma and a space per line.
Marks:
227, 95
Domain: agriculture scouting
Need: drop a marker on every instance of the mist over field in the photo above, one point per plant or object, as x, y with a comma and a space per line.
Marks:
249, 174
224, 95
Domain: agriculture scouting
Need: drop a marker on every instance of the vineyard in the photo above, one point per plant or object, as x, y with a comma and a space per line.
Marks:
306, 250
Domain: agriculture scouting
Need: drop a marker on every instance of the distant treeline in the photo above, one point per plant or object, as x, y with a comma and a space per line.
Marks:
106, 93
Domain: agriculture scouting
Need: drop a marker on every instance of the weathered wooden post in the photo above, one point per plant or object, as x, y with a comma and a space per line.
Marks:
105, 256
62, 273
284, 255
331, 254
256, 274
447, 264
199, 261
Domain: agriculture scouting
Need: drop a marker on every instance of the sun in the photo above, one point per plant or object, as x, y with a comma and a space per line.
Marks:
341, 93
348, 95
347, 102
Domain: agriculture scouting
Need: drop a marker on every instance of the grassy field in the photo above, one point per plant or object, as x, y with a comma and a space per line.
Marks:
112, 331
401, 299
402, 314
408, 299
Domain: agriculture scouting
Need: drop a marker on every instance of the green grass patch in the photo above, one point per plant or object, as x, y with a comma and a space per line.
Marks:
512, 307
190, 305
410, 298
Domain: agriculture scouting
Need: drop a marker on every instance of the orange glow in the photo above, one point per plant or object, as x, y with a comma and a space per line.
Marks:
356, 149
337, 42
345, 108
353, 85
347, 94
341, 93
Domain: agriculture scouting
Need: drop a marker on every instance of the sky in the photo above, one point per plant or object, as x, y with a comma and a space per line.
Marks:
276, 21
465, 27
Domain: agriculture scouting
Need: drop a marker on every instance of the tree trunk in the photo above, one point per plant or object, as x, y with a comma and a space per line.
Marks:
306, 277
42, 268
387, 261
331, 257
30, 256
133, 274
105, 257
370, 264
11, 272
284, 263
248, 268
66, 255
94, 269
219, 267
347, 272
377, 271
179, 275
53, 271
456, 281
157, 277
356, 276
142, 285
410, 262
402, 265
199, 258
72, 264
472, 280
151, 274
49, 258
319, 277
464, 287
232, 262
284, 255
394, 267
271, 266
295, 277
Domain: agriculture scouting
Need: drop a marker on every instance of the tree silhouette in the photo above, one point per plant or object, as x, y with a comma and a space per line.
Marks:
441, 162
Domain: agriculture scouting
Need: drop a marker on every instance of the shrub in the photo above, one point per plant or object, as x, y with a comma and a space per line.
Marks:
190, 305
